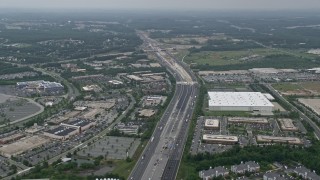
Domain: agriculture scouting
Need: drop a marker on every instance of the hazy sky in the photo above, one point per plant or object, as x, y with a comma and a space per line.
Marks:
164, 4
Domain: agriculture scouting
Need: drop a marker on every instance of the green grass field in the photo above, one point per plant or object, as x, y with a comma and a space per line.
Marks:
278, 58
284, 87
123, 167
191, 40
220, 58
180, 54
226, 86
311, 86
237, 130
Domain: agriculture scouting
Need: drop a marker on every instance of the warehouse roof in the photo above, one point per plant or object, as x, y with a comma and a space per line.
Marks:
238, 99
268, 96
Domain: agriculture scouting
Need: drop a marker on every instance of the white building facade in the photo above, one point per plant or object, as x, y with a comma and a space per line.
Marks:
239, 101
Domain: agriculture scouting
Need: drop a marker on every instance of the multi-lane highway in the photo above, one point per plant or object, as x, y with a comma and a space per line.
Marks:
302, 115
161, 157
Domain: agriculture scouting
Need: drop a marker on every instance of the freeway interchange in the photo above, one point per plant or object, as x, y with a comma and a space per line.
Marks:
161, 157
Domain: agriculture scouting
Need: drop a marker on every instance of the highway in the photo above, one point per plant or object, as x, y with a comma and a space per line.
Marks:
302, 115
161, 157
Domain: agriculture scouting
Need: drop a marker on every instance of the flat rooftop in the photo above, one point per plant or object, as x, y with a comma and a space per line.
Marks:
134, 77
79, 122
238, 99
287, 124
61, 131
155, 65
12, 137
220, 138
22, 145
268, 96
154, 97
92, 113
115, 82
80, 108
107, 104
247, 120
271, 70
122, 126
274, 139
233, 72
211, 123
146, 112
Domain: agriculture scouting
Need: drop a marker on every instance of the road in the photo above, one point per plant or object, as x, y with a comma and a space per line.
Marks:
73, 92
101, 134
91, 57
302, 115
21, 120
162, 155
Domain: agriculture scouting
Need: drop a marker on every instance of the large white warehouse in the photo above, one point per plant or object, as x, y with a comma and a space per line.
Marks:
239, 101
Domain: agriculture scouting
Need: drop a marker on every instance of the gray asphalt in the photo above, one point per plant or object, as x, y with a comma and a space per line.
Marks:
84, 144
302, 115
161, 157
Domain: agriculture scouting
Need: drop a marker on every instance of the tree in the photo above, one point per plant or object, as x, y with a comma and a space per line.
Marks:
13, 168
45, 164
26, 162
69, 155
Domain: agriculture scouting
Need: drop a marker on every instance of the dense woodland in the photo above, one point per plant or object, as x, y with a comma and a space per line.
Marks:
277, 31
266, 155
45, 42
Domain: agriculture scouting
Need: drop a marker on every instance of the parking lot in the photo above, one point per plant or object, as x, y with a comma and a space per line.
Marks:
246, 132
111, 148
56, 147
199, 147
11, 90
228, 78
4, 166
15, 108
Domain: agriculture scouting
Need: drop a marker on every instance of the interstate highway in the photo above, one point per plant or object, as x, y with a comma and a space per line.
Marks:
161, 157
302, 115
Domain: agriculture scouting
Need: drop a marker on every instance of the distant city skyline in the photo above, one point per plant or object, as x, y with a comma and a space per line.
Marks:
164, 4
